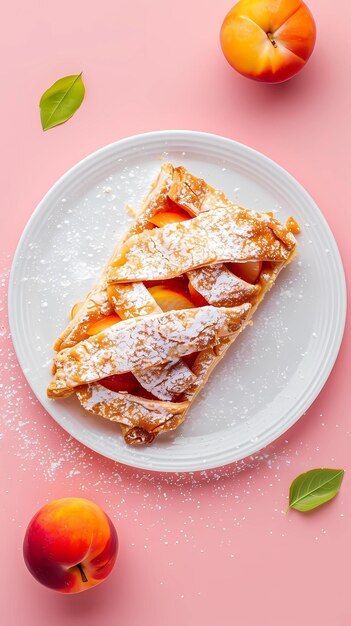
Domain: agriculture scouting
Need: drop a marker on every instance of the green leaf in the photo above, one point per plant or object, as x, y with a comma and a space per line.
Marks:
61, 100
314, 488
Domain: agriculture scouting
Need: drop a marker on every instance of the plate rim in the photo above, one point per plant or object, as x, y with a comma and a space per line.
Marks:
168, 135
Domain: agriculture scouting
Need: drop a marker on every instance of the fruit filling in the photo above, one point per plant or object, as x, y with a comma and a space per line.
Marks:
121, 382
170, 299
102, 324
196, 297
189, 359
162, 218
248, 271
126, 383
178, 284
170, 214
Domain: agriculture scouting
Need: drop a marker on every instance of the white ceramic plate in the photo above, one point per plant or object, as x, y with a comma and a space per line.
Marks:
274, 370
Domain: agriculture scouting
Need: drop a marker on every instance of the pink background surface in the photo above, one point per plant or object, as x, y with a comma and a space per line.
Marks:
214, 547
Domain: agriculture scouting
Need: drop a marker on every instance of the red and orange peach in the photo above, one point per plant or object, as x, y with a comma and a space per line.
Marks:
268, 40
70, 545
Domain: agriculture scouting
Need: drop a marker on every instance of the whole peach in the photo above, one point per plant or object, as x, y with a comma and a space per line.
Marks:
268, 40
70, 545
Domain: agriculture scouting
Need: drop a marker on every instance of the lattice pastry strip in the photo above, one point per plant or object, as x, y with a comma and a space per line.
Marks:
141, 343
147, 417
229, 234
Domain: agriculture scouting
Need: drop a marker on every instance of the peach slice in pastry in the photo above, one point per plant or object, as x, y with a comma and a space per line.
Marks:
249, 271
162, 218
100, 325
120, 382
170, 299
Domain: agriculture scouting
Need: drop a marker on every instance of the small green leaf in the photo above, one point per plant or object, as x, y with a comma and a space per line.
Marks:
314, 488
61, 100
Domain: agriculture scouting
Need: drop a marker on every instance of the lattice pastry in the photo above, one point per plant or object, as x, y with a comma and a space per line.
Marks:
178, 289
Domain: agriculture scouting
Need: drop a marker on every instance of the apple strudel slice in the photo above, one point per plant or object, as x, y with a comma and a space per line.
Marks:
179, 287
